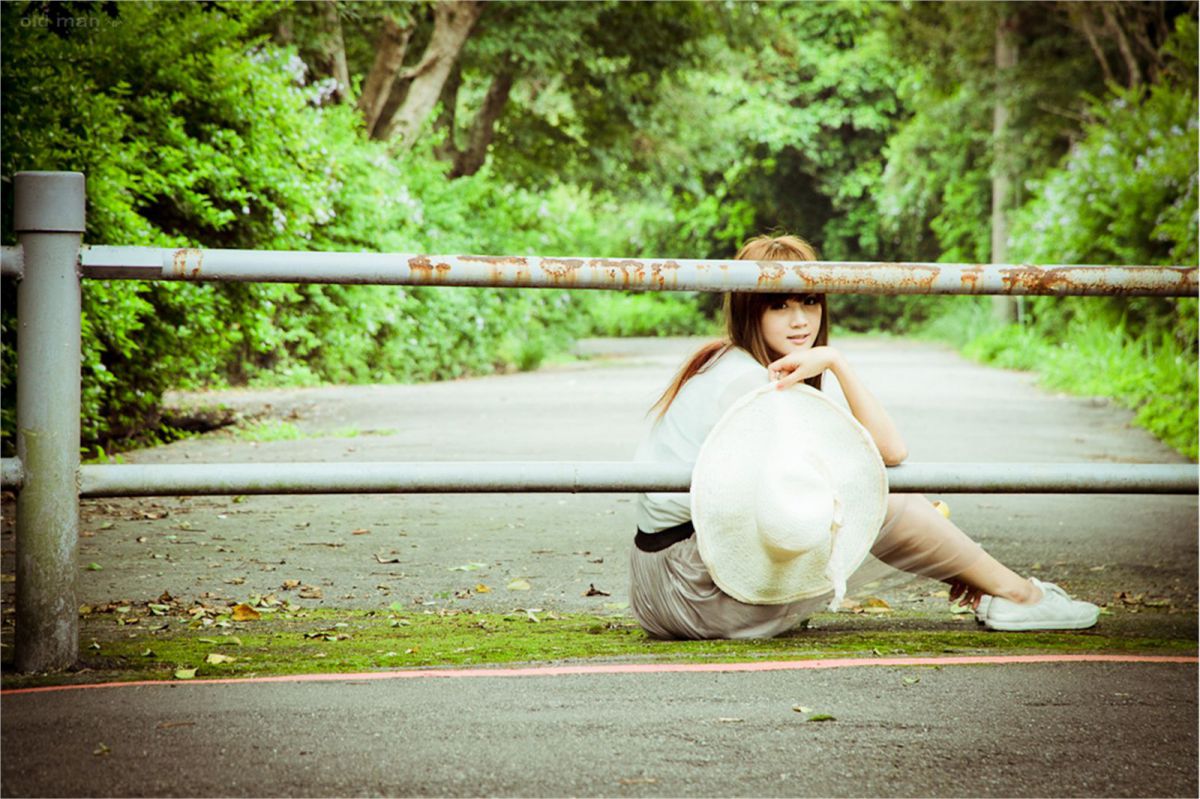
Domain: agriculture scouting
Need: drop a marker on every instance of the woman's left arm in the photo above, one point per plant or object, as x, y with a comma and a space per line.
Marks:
866, 408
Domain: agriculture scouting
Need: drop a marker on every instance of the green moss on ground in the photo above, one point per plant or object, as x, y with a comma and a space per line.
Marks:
354, 641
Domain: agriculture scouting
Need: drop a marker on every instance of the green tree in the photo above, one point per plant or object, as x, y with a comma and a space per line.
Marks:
194, 130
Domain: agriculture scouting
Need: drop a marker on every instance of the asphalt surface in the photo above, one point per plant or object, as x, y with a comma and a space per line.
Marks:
1029, 730
954, 731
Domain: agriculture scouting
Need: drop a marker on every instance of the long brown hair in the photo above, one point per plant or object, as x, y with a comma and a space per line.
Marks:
743, 314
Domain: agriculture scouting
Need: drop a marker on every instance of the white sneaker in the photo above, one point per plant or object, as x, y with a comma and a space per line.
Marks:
985, 602
1055, 611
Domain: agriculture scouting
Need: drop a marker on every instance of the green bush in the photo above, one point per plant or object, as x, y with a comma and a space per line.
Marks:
612, 313
192, 131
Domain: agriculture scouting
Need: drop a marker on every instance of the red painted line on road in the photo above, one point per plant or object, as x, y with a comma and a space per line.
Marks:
636, 668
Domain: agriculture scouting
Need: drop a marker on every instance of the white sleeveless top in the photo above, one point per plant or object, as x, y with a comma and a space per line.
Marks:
677, 436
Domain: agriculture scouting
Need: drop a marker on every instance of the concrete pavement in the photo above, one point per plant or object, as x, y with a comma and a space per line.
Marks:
1027, 730
1023, 730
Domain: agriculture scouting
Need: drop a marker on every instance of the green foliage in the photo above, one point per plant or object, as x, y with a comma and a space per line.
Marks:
192, 131
648, 314
935, 196
150, 103
1127, 191
270, 430
647, 129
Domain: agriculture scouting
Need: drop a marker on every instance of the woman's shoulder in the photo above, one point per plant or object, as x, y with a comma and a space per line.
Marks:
737, 359
732, 365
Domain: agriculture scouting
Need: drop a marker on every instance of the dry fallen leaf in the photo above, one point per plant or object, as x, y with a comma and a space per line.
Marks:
594, 591
382, 559
480, 588
360, 531
288, 585
874, 605
244, 612
185, 674
519, 584
216, 658
310, 592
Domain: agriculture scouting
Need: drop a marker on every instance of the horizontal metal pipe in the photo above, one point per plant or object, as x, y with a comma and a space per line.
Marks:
601, 477
839, 277
12, 261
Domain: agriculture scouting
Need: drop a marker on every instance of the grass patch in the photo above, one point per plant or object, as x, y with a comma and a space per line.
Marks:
269, 430
314, 641
280, 430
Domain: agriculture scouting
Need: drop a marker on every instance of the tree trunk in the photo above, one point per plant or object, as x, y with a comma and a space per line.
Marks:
452, 25
285, 33
335, 49
389, 57
483, 128
1131, 64
1081, 15
448, 118
1004, 308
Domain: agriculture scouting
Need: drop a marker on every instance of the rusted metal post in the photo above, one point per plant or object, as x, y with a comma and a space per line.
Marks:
49, 221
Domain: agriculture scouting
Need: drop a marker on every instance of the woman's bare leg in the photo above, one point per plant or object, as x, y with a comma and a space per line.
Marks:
916, 538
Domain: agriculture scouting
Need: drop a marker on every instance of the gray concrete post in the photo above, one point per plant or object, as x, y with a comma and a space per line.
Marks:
49, 221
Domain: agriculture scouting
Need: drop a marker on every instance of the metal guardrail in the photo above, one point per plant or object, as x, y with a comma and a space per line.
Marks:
152, 263
588, 477
49, 262
648, 274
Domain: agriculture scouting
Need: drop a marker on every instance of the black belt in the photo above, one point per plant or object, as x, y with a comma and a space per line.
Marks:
656, 542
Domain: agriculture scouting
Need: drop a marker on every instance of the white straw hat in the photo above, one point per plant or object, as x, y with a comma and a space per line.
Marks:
788, 495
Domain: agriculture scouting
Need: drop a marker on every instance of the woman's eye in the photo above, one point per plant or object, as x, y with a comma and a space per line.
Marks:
812, 299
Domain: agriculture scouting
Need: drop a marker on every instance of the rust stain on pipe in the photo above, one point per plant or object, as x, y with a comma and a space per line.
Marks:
770, 274
504, 270
629, 273
970, 277
179, 262
561, 271
666, 272
426, 271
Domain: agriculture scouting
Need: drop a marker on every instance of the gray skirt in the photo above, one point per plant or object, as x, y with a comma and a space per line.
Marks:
672, 595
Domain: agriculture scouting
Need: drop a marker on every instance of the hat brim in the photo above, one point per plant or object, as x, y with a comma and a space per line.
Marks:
723, 492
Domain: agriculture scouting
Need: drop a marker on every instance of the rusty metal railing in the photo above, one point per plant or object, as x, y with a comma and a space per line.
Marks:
646, 274
49, 261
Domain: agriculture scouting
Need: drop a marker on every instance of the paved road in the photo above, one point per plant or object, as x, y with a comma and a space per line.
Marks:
1078, 729
1037, 730
949, 410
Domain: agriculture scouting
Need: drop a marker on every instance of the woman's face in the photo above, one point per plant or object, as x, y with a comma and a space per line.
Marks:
791, 325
